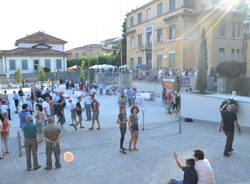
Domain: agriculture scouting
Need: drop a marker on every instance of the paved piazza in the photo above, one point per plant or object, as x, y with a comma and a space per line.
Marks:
98, 161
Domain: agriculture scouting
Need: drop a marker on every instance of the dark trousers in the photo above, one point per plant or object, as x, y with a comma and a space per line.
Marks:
88, 111
49, 149
229, 141
130, 101
9, 114
123, 132
31, 147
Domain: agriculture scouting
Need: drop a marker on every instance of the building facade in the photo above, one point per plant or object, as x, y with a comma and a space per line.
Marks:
166, 33
89, 50
32, 52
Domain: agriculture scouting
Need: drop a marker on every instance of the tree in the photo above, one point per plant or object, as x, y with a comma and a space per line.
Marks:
41, 75
82, 73
124, 42
19, 76
201, 84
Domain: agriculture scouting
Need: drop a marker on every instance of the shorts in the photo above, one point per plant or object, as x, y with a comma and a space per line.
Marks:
174, 181
134, 128
79, 116
95, 115
73, 114
16, 102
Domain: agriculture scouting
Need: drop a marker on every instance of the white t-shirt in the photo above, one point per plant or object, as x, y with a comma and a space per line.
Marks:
87, 100
205, 172
47, 108
4, 108
72, 106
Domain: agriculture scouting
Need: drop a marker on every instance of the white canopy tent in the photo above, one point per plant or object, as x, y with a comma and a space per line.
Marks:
123, 66
104, 66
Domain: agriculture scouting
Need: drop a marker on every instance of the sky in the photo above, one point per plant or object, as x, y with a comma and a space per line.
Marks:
79, 22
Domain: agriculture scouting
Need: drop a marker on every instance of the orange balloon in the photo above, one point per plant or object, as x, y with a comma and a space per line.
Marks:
68, 157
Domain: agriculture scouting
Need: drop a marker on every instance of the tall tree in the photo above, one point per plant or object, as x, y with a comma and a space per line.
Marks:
19, 76
124, 42
41, 74
201, 84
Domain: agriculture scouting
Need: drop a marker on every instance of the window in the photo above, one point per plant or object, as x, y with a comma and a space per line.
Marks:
159, 9
24, 64
238, 55
131, 21
47, 63
234, 29
139, 60
140, 41
221, 55
222, 29
159, 61
12, 64
149, 14
172, 5
172, 32
233, 54
132, 43
59, 64
132, 63
159, 35
139, 18
172, 63
238, 29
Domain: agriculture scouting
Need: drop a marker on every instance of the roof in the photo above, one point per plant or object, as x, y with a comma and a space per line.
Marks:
40, 37
91, 47
32, 52
111, 40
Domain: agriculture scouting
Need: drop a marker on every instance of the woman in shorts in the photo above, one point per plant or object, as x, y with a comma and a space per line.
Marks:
134, 128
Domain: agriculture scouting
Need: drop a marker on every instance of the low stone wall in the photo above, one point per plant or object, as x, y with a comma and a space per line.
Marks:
147, 86
67, 75
206, 107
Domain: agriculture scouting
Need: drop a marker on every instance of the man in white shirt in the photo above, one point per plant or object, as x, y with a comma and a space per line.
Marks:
46, 107
87, 105
203, 168
72, 108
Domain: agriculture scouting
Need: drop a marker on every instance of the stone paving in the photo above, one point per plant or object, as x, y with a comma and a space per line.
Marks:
97, 157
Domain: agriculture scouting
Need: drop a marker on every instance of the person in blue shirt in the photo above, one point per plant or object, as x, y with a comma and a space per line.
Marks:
130, 97
190, 175
22, 117
31, 145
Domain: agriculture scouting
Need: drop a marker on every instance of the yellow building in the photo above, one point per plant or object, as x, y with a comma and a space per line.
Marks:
89, 50
166, 33
247, 53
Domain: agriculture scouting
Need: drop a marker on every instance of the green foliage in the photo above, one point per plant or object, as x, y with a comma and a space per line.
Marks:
124, 42
91, 76
82, 73
230, 102
41, 74
201, 84
231, 69
19, 76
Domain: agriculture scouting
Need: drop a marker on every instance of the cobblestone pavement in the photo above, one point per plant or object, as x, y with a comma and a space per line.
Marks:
97, 157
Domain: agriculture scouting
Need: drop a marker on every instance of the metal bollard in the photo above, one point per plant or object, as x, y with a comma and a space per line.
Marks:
143, 119
19, 144
180, 125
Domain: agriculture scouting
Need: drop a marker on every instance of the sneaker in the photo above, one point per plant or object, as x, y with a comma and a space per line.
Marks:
98, 128
123, 152
91, 128
37, 168
227, 155
82, 127
231, 150
47, 168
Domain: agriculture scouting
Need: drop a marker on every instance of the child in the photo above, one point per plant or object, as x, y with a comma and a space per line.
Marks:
190, 175
4, 134
122, 121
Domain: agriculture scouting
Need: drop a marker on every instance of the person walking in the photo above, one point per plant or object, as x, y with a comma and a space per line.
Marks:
46, 107
6, 99
52, 136
22, 117
21, 94
130, 97
40, 118
203, 168
87, 105
79, 111
72, 108
95, 113
134, 128
59, 111
16, 100
122, 101
31, 145
4, 109
122, 121
4, 134
228, 123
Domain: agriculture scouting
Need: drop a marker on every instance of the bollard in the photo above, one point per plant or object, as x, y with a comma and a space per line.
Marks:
19, 144
180, 127
143, 119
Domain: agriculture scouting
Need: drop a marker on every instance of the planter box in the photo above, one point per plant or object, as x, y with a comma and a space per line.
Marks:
207, 107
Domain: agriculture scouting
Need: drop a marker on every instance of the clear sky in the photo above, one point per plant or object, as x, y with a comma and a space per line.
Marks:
79, 22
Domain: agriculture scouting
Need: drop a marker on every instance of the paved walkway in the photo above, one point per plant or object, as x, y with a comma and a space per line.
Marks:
97, 157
